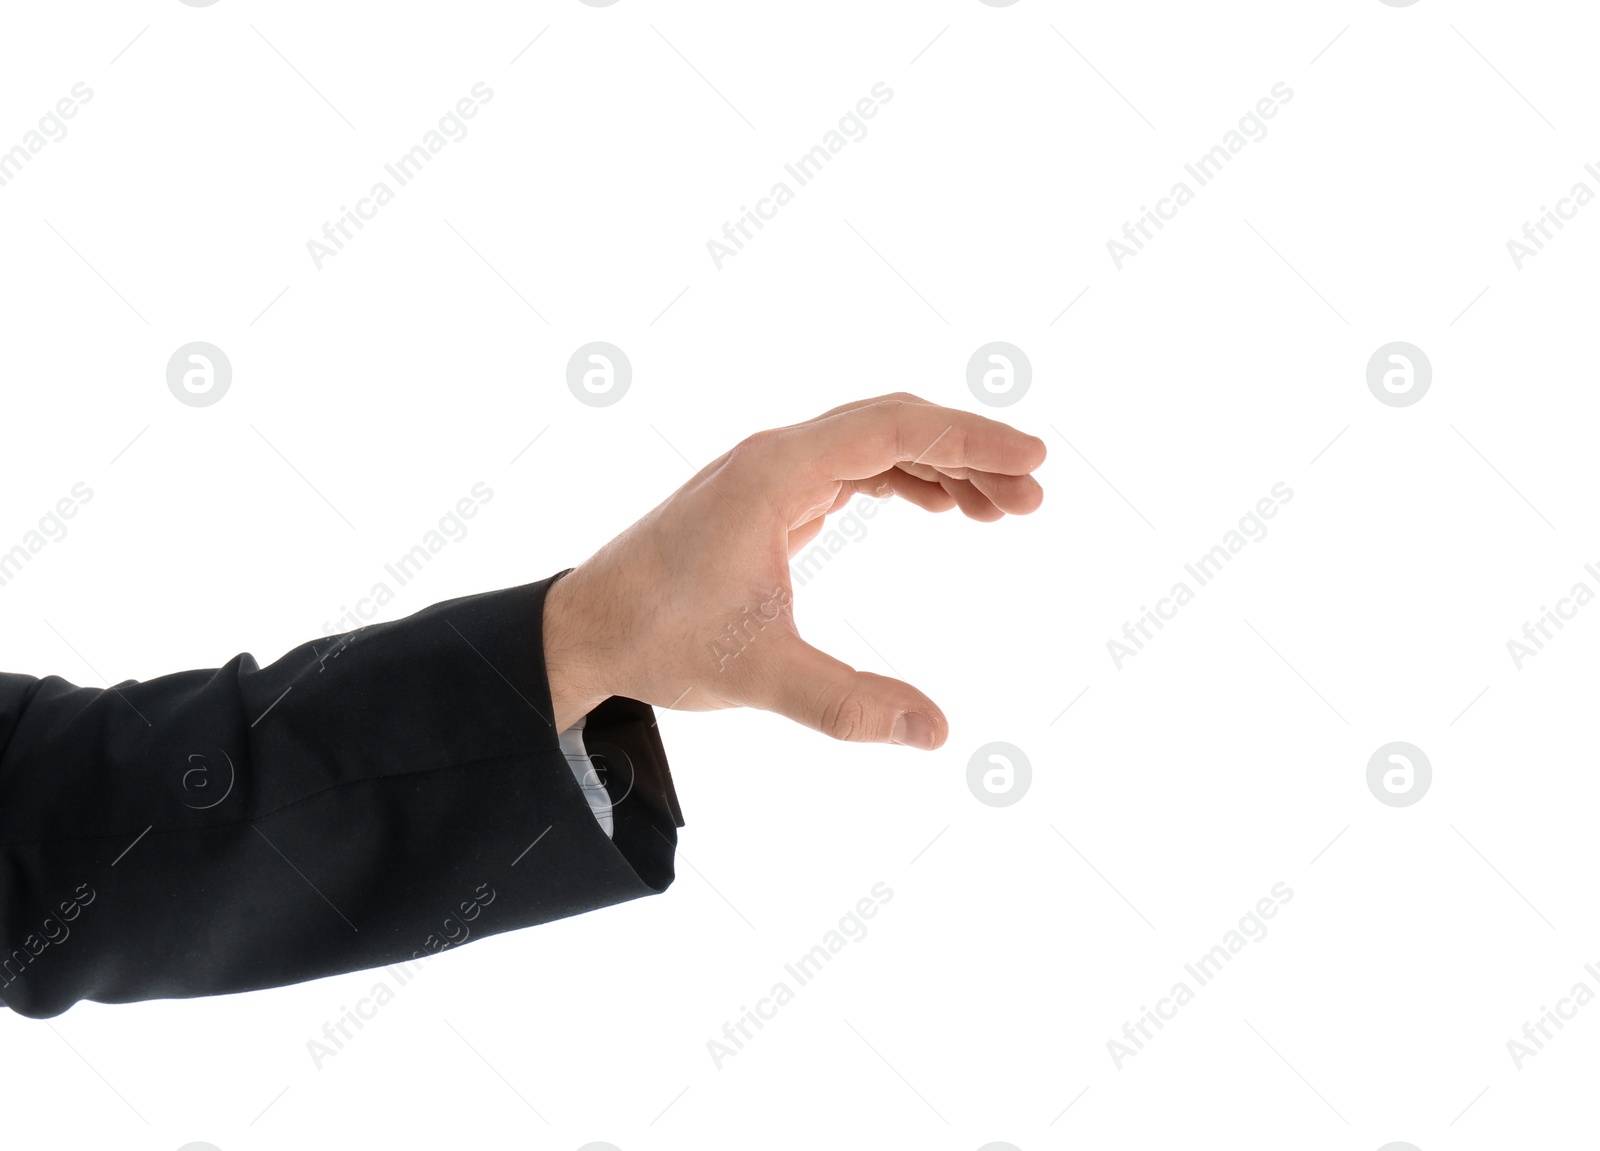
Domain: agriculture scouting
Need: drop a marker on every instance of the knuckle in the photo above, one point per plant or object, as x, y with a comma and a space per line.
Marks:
845, 717
755, 445
891, 405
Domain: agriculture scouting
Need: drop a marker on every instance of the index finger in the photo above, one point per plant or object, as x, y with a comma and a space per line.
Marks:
860, 442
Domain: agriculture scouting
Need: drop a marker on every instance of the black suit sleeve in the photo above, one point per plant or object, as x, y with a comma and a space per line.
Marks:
370, 798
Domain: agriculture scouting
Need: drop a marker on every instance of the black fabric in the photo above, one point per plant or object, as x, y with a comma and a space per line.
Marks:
369, 798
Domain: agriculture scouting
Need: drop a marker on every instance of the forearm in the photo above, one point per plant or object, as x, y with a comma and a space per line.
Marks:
352, 805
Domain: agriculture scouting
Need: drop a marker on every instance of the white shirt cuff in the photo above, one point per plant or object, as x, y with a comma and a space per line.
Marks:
583, 770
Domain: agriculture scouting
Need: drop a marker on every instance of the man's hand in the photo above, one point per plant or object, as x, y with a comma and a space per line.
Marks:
647, 615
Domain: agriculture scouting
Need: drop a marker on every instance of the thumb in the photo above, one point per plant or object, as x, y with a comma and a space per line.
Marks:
812, 688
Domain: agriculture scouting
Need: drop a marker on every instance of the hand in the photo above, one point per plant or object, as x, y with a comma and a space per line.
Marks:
648, 615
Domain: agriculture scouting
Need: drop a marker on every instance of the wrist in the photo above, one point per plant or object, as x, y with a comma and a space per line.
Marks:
573, 651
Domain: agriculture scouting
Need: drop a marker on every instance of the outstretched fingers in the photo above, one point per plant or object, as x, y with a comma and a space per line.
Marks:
862, 441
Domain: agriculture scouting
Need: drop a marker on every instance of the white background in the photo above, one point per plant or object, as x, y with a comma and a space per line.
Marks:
1230, 355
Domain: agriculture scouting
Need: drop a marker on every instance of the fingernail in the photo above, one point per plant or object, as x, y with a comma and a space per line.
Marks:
913, 729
